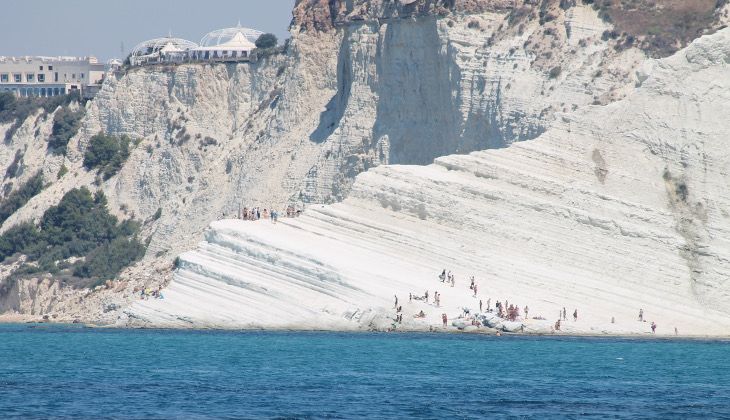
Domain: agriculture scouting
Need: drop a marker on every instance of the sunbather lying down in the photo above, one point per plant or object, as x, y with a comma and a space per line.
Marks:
420, 315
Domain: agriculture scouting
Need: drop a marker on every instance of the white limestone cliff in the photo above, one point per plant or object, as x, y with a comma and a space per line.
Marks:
298, 127
368, 84
612, 209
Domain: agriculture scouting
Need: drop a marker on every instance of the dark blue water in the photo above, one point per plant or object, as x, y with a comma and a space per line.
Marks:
69, 371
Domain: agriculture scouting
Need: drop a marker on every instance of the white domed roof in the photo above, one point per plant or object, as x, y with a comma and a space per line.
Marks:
226, 35
166, 44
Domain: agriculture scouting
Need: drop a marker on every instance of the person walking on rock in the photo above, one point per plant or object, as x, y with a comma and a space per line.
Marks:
575, 316
395, 305
641, 315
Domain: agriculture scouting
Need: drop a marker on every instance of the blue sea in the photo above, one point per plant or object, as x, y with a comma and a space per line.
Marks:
55, 371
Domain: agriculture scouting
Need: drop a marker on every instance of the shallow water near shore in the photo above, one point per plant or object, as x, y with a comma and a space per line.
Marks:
73, 371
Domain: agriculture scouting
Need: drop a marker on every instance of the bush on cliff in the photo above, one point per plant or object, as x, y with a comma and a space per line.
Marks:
18, 110
266, 41
79, 226
65, 125
19, 197
108, 153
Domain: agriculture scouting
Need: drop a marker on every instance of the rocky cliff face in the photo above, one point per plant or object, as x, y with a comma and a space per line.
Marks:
362, 83
612, 209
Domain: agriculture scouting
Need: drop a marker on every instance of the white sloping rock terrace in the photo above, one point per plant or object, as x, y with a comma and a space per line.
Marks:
611, 210
297, 127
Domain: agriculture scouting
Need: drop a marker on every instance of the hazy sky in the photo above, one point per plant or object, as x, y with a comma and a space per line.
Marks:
99, 28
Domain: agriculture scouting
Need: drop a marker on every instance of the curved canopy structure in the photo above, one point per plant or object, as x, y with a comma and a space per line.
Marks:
159, 49
229, 44
225, 35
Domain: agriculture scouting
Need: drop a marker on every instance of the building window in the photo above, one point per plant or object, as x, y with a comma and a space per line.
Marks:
40, 68
50, 68
18, 77
73, 76
82, 75
4, 78
55, 77
56, 91
29, 77
41, 78
43, 91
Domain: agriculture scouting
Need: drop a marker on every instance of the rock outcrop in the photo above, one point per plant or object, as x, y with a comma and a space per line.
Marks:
612, 209
360, 84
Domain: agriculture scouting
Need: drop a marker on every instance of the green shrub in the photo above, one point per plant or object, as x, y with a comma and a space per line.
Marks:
8, 102
19, 197
14, 168
19, 109
108, 153
18, 238
65, 125
79, 226
555, 72
266, 41
109, 259
61, 172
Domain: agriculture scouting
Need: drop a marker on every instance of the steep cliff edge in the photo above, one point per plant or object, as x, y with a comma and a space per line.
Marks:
360, 84
611, 210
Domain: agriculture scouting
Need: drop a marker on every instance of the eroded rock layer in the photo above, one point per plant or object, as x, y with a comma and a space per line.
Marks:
360, 84
611, 210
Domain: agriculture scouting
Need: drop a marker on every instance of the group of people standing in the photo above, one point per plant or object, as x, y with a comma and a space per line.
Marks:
563, 316
256, 213
147, 293
653, 324
448, 278
504, 309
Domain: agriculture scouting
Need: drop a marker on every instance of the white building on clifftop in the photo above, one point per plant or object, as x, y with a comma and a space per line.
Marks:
161, 50
50, 76
228, 44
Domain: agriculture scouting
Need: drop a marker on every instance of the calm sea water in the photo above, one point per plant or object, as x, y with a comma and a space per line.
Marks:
71, 371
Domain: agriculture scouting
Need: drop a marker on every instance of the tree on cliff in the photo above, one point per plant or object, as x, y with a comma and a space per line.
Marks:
106, 152
266, 41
